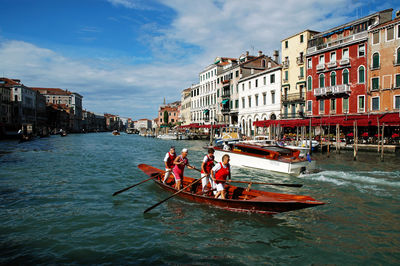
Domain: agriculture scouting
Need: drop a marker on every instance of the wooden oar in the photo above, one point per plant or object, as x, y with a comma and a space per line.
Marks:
125, 189
261, 183
173, 195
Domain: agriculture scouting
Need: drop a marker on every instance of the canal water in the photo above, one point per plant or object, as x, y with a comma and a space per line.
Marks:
56, 206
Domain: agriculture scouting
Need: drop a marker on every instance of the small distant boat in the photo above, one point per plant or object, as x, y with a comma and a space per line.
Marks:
168, 136
238, 199
63, 133
266, 157
116, 133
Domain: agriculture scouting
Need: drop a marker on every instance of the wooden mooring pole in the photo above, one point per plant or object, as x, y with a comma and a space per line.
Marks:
329, 142
355, 141
383, 133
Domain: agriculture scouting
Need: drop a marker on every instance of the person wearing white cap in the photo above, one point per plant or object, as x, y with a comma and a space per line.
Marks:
179, 166
169, 162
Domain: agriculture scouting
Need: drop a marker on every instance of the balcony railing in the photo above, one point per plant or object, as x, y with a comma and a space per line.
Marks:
225, 110
337, 89
293, 97
285, 64
290, 116
344, 61
226, 94
300, 60
301, 76
332, 64
338, 42
320, 66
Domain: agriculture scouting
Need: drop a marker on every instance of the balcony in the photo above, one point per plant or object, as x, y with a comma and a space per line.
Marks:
301, 77
225, 110
300, 60
225, 81
293, 97
338, 42
344, 61
290, 116
226, 94
320, 66
285, 64
332, 64
337, 89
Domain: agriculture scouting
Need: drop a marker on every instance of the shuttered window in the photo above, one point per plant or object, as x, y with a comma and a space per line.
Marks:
375, 60
345, 76
375, 83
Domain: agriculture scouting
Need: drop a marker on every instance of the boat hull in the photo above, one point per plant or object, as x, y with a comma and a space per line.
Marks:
261, 202
243, 160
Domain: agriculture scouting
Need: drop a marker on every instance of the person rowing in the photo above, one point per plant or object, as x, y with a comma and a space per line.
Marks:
179, 166
219, 173
169, 162
206, 166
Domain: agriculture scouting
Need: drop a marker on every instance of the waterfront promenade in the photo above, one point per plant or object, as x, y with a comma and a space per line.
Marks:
57, 207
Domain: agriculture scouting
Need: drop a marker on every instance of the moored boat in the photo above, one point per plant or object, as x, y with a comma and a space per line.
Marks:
237, 198
266, 157
115, 133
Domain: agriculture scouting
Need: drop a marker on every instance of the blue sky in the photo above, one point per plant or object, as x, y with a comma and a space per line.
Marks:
125, 56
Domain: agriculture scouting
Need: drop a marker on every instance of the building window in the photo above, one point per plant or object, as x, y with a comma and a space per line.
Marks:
286, 44
321, 59
309, 106
333, 57
397, 102
301, 72
375, 61
264, 98
375, 38
361, 103
236, 104
301, 38
309, 63
242, 86
333, 78
398, 32
389, 34
256, 98
285, 111
249, 101
309, 83
273, 97
256, 83
249, 84
322, 81
361, 50
243, 103
263, 63
272, 78
375, 104
333, 105
345, 105
286, 75
321, 106
346, 76
361, 74
397, 81
265, 80
398, 56
237, 73
345, 53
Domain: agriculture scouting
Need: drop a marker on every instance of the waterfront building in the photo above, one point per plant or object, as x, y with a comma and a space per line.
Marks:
384, 67
168, 113
5, 103
59, 116
337, 67
68, 99
184, 113
228, 79
113, 122
259, 98
143, 124
195, 107
292, 93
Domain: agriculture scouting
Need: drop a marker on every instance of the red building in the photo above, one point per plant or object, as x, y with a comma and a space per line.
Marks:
337, 67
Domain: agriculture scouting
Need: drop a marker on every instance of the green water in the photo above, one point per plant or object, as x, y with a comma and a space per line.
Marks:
56, 207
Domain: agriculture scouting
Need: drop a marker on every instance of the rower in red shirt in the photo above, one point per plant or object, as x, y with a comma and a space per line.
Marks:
219, 174
180, 162
169, 162
206, 166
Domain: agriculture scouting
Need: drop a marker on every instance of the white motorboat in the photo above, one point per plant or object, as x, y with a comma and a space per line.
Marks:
268, 157
168, 136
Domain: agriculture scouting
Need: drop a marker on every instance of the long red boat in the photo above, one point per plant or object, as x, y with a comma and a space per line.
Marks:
238, 199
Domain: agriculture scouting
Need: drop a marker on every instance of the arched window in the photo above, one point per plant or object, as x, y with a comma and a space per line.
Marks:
309, 83
398, 56
345, 76
322, 81
375, 60
361, 74
263, 63
273, 117
333, 78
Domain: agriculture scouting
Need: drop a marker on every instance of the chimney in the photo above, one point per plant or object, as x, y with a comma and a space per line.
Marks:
259, 53
247, 53
276, 56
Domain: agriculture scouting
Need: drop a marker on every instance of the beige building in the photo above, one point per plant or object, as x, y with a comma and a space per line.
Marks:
294, 74
184, 114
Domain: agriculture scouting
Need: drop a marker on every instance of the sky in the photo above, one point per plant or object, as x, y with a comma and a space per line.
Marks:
125, 56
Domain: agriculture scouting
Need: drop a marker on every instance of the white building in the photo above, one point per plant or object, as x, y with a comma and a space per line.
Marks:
259, 98
143, 124
184, 114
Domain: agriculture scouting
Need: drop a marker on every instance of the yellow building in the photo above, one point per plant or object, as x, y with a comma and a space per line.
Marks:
294, 74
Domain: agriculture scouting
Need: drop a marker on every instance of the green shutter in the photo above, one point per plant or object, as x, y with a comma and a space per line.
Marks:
321, 81
375, 60
361, 75
375, 83
309, 84
397, 81
345, 76
333, 79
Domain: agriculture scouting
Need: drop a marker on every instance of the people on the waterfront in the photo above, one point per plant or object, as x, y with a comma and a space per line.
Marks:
206, 166
219, 173
169, 159
179, 166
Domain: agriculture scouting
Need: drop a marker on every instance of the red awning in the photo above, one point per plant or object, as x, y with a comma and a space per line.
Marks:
392, 119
